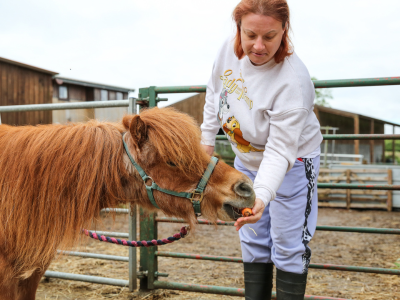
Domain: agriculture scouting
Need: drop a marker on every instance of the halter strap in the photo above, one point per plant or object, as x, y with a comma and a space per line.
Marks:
195, 197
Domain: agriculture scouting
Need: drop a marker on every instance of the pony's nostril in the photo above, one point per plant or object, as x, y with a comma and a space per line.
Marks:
244, 190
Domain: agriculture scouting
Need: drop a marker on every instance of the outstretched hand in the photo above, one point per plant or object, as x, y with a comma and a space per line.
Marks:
209, 149
257, 210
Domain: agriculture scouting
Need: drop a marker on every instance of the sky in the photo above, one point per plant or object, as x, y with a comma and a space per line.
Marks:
137, 44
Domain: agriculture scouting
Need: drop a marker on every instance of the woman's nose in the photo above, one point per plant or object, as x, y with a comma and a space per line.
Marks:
259, 45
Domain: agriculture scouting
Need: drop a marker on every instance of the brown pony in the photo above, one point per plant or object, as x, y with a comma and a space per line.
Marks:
54, 179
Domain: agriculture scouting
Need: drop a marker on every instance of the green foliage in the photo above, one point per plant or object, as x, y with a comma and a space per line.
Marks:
321, 95
389, 145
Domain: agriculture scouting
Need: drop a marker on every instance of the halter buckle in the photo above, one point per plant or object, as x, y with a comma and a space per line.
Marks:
146, 179
195, 194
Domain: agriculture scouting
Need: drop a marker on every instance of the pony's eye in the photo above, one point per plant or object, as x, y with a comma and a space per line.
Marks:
170, 163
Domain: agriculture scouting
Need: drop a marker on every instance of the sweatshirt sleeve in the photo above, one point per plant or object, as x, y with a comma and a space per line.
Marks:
210, 126
280, 151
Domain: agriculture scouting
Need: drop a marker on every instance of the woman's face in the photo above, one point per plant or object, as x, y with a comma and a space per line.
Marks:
261, 37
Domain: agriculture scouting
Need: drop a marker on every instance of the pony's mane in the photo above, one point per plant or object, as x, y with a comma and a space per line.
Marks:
53, 180
176, 137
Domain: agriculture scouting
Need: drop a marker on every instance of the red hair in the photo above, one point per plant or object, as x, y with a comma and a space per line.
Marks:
277, 9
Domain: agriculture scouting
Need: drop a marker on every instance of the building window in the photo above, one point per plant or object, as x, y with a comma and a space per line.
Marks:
103, 95
63, 92
119, 96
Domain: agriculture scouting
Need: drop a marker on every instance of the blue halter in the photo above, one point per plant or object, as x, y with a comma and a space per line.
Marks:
195, 197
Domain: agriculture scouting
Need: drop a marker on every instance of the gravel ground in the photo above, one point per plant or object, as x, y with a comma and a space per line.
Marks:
370, 250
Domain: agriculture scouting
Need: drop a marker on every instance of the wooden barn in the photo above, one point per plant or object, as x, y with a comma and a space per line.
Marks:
344, 122
25, 84
73, 90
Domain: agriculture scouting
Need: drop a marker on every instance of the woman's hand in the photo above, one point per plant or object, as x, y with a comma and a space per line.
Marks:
209, 149
258, 210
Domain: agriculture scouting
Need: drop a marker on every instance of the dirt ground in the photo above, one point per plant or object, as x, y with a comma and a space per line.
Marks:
369, 250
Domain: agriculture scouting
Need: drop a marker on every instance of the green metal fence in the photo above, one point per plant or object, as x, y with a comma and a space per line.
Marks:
148, 221
148, 273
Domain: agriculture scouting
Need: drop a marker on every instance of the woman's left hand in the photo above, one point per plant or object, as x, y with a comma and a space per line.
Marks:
258, 210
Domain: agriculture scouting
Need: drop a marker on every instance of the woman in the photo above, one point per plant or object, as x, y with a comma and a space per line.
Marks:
260, 93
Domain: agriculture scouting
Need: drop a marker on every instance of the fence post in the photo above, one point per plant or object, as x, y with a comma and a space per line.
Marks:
148, 225
152, 96
394, 148
348, 180
132, 225
390, 193
148, 258
326, 149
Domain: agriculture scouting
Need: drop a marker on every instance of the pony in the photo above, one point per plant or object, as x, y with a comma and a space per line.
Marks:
55, 179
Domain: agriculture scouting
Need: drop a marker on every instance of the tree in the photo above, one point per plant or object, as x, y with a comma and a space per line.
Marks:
321, 95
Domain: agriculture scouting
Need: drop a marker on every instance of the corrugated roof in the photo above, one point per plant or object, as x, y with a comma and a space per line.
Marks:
19, 64
92, 84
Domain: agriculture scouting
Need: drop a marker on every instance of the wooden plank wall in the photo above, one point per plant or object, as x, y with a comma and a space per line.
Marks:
76, 93
193, 106
20, 86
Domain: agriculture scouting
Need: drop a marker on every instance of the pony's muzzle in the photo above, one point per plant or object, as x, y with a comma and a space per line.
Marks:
244, 190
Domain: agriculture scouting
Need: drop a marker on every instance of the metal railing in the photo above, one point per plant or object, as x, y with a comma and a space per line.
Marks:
336, 158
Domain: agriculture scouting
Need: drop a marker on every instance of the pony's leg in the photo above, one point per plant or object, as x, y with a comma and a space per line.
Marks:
27, 287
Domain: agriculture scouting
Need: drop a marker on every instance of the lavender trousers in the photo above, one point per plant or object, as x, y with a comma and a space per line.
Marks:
288, 223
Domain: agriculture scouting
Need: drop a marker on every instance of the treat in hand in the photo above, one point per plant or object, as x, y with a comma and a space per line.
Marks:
247, 212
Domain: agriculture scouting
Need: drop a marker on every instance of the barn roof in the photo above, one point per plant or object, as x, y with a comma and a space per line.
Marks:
350, 114
60, 80
19, 64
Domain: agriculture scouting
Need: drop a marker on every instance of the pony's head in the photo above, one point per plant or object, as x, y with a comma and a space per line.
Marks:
166, 144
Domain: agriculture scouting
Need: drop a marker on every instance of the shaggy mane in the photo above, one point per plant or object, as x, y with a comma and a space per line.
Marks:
53, 180
176, 137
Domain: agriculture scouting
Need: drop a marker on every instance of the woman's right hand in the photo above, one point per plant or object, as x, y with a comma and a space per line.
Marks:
258, 210
209, 149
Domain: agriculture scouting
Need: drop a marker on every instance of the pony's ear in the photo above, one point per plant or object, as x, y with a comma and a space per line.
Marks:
138, 130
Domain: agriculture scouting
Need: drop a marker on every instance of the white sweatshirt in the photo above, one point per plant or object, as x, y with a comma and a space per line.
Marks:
266, 112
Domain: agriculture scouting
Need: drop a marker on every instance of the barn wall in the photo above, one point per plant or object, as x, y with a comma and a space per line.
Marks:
76, 93
193, 106
111, 114
19, 86
112, 95
345, 122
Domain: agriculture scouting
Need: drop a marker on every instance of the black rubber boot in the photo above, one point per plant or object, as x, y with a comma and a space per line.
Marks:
290, 286
258, 281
